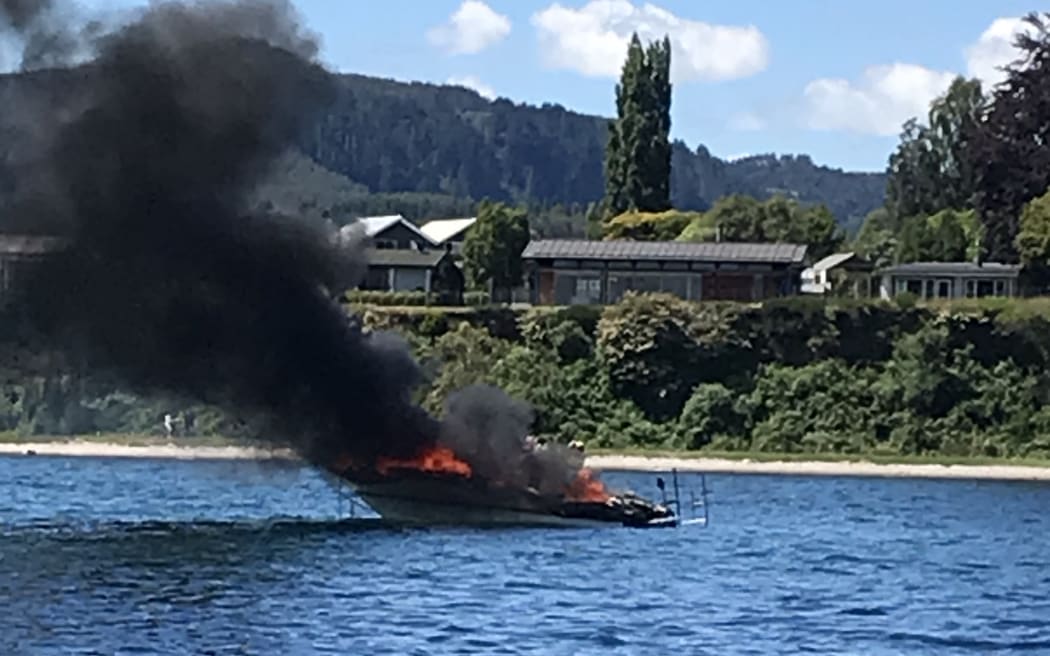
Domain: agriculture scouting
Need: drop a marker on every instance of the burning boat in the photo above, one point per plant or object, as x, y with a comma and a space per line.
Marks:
439, 488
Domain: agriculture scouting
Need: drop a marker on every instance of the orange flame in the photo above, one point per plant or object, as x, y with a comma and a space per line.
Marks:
436, 460
588, 488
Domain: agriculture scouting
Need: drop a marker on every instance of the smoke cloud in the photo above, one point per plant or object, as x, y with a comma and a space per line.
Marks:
172, 282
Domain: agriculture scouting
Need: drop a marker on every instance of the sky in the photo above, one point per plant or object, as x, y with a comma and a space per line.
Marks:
834, 79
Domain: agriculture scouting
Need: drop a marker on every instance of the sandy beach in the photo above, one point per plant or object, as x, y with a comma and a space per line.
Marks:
173, 451
1004, 472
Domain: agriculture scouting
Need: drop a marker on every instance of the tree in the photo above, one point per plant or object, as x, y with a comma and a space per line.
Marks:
930, 169
1033, 239
641, 226
947, 236
779, 219
1009, 148
638, 152
492, 248
876, 240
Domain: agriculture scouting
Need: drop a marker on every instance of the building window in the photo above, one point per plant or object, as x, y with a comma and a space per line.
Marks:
909, 286
588, 287
576, 289
385, 244
944, 289
1000, 288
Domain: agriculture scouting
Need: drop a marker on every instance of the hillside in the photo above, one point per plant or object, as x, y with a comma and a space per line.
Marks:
427, 150
399, 137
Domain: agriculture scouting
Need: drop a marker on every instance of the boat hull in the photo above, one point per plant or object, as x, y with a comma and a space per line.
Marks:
422, 512
430, 499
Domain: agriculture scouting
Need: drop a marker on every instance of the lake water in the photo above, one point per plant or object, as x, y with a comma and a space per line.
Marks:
162, 557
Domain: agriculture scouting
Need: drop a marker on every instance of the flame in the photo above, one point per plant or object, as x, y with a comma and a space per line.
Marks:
588, 488
436, 460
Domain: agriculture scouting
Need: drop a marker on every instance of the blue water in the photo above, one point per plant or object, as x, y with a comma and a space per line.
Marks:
160, 557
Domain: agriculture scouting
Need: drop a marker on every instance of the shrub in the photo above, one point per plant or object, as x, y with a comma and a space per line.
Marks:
711, 411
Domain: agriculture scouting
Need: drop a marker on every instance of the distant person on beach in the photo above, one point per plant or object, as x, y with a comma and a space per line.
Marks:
169, 424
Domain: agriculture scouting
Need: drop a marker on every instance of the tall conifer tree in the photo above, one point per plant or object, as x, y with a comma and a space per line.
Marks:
638, 154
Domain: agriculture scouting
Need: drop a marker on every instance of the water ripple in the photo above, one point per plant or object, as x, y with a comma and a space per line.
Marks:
216, 558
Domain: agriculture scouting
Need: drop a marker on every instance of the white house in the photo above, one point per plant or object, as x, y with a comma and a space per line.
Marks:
838, 271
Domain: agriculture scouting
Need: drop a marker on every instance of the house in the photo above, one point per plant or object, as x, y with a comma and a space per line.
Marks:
950, 280
841, 272
448, 231
401, 258
391, 232
407, 270
19, 254
569, 271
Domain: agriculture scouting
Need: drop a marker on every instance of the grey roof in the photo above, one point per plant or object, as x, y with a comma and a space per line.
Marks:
664, 251
404, 258
954, 269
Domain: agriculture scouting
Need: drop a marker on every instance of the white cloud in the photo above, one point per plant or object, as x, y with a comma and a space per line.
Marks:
994, 49
472, 82
473, 27
887, 96
593, 41
747, 122
879, 103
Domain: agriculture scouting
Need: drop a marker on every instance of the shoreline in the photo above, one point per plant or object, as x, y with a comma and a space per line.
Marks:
600, 462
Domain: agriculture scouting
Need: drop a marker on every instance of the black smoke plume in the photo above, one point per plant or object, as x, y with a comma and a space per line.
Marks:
171, 282
168, 280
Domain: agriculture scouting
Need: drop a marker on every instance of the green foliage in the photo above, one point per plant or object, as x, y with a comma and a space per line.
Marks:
649, 226
711, 413
700, 228
638, 151
645, 344
876, 240
930, 169
377, 297
1033, 239
795, 376
947, 236
492, 249
1010, 149
743, 218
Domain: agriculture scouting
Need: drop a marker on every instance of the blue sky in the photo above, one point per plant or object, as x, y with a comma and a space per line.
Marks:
830, 78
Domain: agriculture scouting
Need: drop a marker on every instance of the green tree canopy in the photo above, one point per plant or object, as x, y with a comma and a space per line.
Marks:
1010, 149
947, 236
779, 219
656, 226
876, 241
492, 248
930, 170
1033, 240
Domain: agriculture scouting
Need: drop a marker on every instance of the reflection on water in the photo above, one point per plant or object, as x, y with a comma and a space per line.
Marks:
109, 556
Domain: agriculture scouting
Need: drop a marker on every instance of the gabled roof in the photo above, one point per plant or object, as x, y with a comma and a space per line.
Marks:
665, 251
403, 258
441, 230
376, 225
993, 269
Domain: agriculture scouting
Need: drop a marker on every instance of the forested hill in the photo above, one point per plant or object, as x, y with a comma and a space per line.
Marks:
428, 151
395, 137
